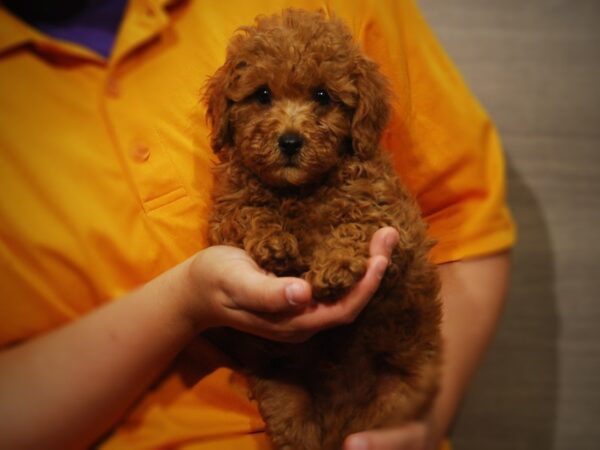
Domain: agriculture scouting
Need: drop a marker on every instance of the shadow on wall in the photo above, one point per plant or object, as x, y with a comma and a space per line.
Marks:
512, 404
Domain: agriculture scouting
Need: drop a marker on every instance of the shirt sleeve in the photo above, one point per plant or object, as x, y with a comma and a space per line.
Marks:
444, 145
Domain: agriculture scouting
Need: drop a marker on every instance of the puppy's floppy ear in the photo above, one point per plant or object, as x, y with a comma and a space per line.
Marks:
217, 109
372, 111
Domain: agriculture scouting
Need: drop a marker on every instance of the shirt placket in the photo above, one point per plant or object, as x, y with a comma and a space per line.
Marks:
138, 141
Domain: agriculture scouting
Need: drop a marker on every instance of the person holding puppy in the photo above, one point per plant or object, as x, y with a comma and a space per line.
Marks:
104, 285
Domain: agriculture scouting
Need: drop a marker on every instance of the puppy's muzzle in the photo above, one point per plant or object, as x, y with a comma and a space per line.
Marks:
290, 143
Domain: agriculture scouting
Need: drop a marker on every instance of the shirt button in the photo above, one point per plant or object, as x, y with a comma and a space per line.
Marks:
140, 152
112, 87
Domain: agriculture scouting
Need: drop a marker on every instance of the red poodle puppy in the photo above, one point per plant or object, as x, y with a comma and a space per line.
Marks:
297, 113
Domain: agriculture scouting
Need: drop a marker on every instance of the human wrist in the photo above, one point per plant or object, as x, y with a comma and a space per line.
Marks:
174, 296
196, 305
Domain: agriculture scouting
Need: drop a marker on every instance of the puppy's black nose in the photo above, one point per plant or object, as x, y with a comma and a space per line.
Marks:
290, 143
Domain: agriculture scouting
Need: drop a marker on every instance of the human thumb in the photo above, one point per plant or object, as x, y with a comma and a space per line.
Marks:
262, 293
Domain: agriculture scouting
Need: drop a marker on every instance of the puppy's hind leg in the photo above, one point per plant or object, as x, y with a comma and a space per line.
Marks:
287, 411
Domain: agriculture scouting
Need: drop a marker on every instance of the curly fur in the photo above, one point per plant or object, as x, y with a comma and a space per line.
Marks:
312, 214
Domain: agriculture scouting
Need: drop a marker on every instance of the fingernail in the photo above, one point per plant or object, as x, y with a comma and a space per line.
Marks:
381, 267
293, 292
390, 241
357, 443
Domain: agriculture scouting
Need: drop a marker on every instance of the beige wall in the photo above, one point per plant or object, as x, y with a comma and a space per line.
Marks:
535, 65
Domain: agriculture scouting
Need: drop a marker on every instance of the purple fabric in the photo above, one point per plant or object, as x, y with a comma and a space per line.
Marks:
95, 26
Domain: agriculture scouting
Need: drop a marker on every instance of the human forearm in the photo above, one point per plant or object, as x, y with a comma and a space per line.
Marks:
473, 293
63, 389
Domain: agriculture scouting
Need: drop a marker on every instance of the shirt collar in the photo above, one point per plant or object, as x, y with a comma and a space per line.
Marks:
15, 33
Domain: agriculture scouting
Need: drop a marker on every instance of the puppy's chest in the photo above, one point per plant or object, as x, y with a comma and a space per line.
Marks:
308, 220
312, 219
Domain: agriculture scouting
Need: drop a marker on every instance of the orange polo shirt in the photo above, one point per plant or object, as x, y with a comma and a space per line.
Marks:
105, 178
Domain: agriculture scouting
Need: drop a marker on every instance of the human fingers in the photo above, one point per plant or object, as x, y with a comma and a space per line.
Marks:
412, 436
383, 242
319, 316
255, 291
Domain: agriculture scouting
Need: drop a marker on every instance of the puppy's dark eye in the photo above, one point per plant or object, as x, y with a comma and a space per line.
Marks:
321, 96
263, 95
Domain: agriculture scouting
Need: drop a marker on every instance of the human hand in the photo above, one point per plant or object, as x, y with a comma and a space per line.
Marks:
227, 288
412, 436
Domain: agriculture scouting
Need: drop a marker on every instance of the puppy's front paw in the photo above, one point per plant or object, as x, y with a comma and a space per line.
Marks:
334, 277
276, 253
